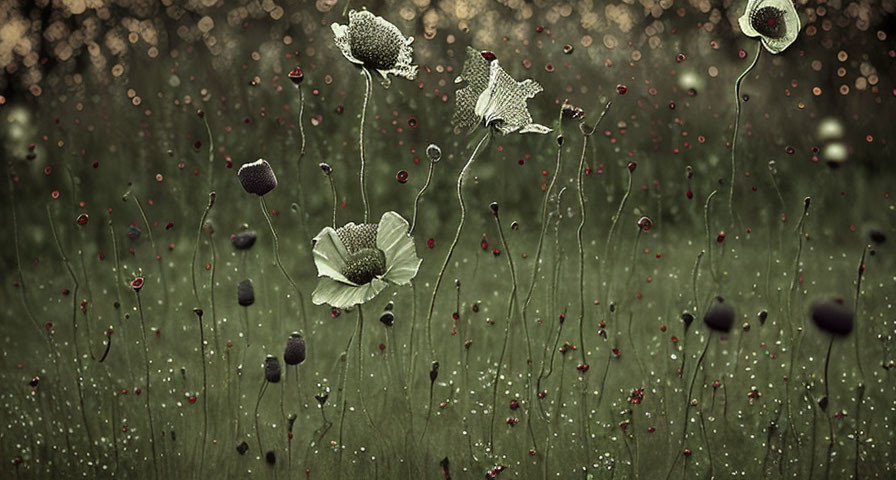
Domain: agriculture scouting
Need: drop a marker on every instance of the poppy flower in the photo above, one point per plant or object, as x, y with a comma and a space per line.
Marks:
375, 44
356, 262
775, 22
493, 98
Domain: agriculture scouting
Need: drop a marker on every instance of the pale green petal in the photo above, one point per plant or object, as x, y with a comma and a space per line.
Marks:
340, 295
330, 255
401, 256
744, 20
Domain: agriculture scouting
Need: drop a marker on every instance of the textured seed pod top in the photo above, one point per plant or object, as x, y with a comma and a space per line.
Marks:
257, 177
296, 75
243, 240
375, 44
295, 349
720, 316
245, 293
832, 316
434, 153
272, 369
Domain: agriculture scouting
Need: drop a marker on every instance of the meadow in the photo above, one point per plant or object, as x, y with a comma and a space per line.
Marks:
683, 269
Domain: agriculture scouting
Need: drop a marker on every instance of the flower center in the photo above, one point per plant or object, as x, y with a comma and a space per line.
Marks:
376, 43
365, 265
769, 22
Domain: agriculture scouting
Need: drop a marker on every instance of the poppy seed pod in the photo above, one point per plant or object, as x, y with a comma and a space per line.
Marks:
245, 294
434, 153
295, 349
257, 177
272, 369
242, 447
832, 316
243, 240
296, 75
387, 318
720, 316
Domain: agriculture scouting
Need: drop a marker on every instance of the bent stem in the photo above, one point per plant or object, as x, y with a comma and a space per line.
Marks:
737, 99
432, 165
460, 226
292, 283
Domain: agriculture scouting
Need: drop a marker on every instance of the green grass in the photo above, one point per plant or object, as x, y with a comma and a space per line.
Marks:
84, 418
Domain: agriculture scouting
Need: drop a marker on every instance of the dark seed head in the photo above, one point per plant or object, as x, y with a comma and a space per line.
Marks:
270, 457
763, 316
387, 318
559, 140
245, 293
257, 177
295, 349
494, 207
769, 22
243, 240
720, 316
326, 168
242, 447
364, 265
832, 316
877, 236
434, 372
434, 153
272, 369
488, 55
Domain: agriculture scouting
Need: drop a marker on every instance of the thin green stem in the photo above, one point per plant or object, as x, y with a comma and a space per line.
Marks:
419, 196
367, 85
736, 126
292, 283
460, 226
152, 428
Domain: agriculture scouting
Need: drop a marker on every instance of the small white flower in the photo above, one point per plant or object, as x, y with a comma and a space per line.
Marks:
493, 98
775, 22
375, 44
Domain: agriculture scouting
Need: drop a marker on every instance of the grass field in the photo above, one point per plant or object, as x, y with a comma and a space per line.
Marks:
565, 335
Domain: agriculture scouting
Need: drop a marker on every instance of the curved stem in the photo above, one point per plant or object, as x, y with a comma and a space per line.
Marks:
74, 295
460, 226
432, 165
335, 197
736, 126
292, 283
367, 82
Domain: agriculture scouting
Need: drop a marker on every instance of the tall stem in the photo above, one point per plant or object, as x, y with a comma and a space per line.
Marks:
289, 279
736, 126
367, 82
460, 226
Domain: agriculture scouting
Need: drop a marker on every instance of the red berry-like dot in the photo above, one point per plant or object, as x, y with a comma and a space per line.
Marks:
621, 89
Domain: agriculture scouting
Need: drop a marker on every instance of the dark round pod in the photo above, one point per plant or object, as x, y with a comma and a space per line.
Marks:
272, 369
687, 318
877, 236
270, 457
243, 240
720, 316
387, 318
245, 294
295, 349
832, 316
257, 177
242, 447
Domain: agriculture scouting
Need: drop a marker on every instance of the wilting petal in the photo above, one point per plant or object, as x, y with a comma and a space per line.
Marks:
476, 74
503, 103
376, 44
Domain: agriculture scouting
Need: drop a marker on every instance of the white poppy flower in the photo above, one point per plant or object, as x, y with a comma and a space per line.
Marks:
775, 22
356, 262
493, 98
